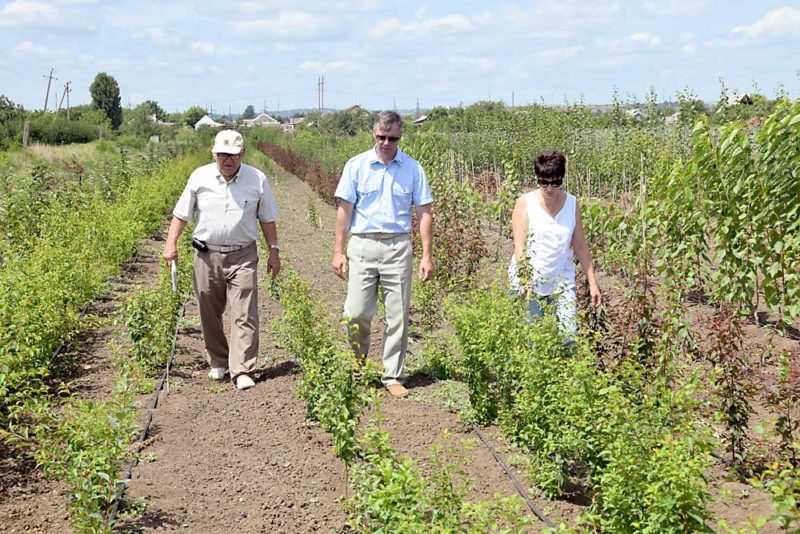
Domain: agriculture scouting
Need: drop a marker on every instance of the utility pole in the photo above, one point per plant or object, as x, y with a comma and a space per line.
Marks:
50, 79
512, 99
68, 92
321, 93
394, 105
60, 102
265, 106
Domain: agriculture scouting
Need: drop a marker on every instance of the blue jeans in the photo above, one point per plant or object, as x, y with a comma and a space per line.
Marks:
565, 305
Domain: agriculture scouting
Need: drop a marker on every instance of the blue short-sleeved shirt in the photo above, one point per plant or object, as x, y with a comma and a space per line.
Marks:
383, 193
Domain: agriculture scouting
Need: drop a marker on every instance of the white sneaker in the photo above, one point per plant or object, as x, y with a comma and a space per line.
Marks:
217, 373
244, 382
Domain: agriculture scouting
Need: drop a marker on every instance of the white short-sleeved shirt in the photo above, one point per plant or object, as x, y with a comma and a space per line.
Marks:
383, 193
228, 212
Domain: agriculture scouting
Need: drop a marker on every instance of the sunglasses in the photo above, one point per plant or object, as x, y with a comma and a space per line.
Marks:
390, 138
223, 156
552, 183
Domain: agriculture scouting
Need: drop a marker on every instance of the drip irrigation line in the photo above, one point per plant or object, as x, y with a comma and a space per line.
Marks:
510, 474
147, 420
506, 469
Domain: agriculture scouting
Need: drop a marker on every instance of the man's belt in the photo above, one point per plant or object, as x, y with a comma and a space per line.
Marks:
380, 236
228, 248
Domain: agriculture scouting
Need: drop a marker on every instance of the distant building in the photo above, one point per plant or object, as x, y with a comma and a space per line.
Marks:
294, 122
740, 99
262, 119
207, 121
635, 114
672, 119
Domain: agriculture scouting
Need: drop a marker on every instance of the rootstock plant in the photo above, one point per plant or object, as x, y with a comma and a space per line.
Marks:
43, 288
631, 442
328, 387
391, 494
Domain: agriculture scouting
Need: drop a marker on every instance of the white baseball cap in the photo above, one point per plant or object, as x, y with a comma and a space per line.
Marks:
228, 142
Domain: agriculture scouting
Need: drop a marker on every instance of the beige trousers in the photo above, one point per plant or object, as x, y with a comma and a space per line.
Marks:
219, 278
384, 263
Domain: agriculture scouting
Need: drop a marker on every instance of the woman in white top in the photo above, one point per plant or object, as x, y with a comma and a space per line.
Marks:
547, 229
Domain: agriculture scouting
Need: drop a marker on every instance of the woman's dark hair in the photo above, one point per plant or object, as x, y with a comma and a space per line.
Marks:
550, 164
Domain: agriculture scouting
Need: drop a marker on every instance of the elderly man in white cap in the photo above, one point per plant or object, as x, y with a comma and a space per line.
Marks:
230, 200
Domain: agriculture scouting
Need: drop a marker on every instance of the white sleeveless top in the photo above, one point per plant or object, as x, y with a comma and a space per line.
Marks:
549, 247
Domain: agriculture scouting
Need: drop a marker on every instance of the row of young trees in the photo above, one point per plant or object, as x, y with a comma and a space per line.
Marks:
674, 212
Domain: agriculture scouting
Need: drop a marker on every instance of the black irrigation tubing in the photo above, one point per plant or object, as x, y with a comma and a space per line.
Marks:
520, 488
147, 420
509, 473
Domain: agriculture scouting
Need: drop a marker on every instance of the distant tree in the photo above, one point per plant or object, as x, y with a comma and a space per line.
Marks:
249, 112
151, 107
11, 119
193, 114
690, 107
346, 122
105, 97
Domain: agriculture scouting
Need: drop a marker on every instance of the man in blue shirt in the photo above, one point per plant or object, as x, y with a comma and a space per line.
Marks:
375, 195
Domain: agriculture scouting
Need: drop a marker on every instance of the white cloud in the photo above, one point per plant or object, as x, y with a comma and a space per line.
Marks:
553, 15
29, 13
556, 54
283, 47
394, 28
689, 48
783, 22
634, 40
676, 8
204, 47
29, 50
618, 60
329, 66
290, 25
158, 36
645, 38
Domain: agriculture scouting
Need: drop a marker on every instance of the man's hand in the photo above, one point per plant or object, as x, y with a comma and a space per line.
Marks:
274, 262
339, 264
170, 254
425, 269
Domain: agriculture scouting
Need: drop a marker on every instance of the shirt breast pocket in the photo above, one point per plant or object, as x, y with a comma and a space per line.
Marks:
401, 197
369, 187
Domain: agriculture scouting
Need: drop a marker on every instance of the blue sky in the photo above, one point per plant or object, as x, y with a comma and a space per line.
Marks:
382, 54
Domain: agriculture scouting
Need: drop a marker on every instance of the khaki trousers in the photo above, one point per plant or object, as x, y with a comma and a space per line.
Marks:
219, 278
384, 263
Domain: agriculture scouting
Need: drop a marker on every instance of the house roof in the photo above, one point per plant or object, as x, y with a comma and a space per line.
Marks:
207, 121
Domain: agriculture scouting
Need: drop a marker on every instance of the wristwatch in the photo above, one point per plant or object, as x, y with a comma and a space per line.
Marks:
275, 246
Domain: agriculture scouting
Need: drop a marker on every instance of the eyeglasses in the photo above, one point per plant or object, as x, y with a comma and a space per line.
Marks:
390, 138
552, 183
223, 156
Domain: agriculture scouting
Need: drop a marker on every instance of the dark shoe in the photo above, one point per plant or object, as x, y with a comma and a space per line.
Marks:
397, 390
